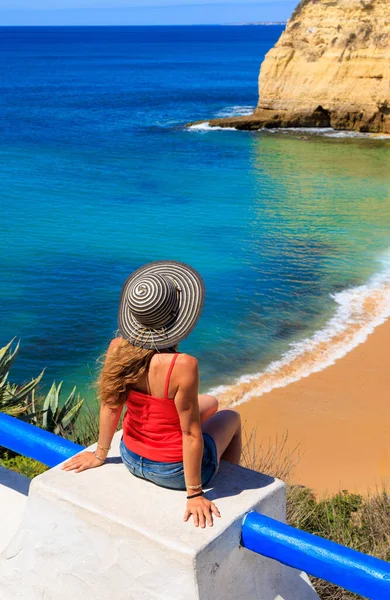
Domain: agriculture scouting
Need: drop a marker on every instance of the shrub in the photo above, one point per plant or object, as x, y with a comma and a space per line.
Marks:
23, 465
359, 522
46, 412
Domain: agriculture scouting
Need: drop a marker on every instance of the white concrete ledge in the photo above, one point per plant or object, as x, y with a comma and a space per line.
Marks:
104, 534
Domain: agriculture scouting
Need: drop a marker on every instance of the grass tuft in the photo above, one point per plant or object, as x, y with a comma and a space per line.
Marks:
273, 458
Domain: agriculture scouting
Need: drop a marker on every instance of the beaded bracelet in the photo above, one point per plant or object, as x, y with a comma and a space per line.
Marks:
102, 460
195, 495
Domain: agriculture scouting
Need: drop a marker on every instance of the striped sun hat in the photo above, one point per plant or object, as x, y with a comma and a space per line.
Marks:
160, 304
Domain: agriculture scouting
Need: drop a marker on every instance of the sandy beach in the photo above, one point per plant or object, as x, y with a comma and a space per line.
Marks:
339, 417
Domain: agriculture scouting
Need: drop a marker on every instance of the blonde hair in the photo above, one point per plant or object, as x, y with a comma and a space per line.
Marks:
123, 367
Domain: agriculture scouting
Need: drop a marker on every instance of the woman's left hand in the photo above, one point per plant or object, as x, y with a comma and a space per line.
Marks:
202, 511
82, 462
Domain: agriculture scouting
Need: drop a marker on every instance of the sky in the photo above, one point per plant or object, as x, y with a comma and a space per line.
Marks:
136, 12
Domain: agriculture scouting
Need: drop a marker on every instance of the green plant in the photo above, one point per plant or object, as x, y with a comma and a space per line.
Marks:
359, 522
14, 399
23, 465
21, 401
60, 419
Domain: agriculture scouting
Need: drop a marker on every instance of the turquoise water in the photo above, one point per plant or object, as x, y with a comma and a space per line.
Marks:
98, 176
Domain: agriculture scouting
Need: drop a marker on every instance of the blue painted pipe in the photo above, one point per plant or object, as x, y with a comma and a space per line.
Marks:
352, 570
31, 441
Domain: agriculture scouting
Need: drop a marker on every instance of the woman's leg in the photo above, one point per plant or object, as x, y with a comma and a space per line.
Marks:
225, 429
208, 406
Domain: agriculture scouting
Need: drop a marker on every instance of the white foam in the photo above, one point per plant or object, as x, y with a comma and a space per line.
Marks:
328, 132
312, 130
202, 127
319, 131
235, 111
357, 134
359, 311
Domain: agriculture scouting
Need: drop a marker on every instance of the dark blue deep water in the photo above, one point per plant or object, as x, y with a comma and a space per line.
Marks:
98, 175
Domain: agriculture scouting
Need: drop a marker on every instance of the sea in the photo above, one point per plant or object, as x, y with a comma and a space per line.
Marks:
99, 175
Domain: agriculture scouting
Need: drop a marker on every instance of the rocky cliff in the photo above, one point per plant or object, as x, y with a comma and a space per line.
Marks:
330, 67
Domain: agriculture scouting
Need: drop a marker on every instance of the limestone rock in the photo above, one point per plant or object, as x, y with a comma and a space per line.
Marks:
330, 67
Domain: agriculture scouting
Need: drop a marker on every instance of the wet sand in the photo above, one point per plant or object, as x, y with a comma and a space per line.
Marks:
340, 417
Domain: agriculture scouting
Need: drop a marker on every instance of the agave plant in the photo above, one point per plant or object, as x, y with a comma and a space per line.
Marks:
20, 401
60, 419
15, 400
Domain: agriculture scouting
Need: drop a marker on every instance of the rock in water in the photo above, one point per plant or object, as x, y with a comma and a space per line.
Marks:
330, 68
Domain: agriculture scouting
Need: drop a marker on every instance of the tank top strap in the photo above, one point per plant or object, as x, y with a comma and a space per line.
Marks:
169, 375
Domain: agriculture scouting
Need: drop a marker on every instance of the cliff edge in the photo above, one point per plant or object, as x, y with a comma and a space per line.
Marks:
330, 68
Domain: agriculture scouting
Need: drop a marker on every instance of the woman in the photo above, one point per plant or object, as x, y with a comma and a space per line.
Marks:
171, 436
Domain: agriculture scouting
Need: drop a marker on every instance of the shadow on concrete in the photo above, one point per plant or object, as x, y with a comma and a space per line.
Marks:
232, 480
114, 460
14, 481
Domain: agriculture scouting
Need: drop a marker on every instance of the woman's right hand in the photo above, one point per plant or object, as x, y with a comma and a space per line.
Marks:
202, 511
81, 462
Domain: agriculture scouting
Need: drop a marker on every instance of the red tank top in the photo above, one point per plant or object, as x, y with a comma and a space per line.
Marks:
151, 425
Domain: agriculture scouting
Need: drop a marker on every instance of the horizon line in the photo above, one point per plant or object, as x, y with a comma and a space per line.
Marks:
254, 24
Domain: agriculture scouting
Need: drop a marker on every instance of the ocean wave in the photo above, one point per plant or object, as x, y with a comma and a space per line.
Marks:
235, 111
359, 310
314, 131
206, 127
329, 132
358, 134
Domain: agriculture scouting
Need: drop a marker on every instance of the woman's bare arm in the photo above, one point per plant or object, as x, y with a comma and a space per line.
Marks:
108, 422
186, 401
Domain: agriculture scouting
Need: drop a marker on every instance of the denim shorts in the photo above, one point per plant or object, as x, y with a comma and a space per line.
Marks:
170, 475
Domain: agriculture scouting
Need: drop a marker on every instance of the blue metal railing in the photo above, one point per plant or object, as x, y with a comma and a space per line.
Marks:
34, 442
352, 570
